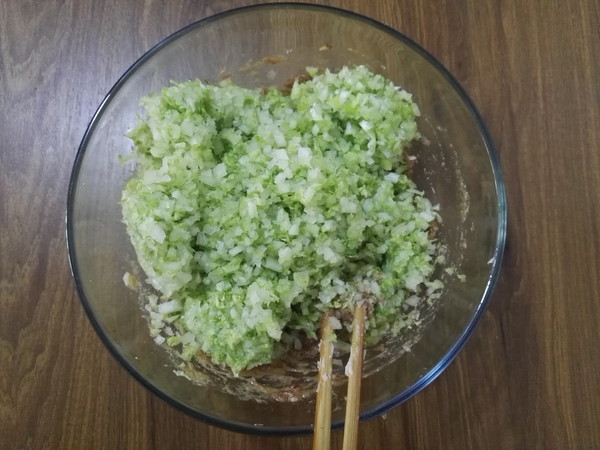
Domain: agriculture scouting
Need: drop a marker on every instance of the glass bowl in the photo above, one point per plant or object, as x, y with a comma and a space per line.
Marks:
264, 45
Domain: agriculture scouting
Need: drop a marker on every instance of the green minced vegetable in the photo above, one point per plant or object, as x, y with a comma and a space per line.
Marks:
252, 212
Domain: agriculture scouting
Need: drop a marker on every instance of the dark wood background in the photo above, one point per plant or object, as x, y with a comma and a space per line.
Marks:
528, 378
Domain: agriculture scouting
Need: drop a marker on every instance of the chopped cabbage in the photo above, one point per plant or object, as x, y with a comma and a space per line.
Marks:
252, 212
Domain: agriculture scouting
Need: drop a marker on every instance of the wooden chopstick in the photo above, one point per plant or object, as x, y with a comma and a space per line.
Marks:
322, 427
354, 372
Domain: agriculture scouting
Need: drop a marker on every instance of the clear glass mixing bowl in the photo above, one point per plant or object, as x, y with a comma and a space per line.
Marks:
268, 45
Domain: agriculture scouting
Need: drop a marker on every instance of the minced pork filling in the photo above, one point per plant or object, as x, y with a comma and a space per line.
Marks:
255, 211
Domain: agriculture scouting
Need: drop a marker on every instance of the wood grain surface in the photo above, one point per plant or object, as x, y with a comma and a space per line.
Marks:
529, 376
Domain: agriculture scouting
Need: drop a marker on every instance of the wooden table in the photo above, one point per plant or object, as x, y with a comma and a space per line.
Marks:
528, 378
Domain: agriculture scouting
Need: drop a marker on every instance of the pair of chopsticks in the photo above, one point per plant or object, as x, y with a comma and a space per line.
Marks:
322, 427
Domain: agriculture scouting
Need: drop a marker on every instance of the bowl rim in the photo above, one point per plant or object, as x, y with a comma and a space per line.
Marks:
450, 355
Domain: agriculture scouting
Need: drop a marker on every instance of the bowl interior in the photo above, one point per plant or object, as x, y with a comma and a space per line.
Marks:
455, 165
